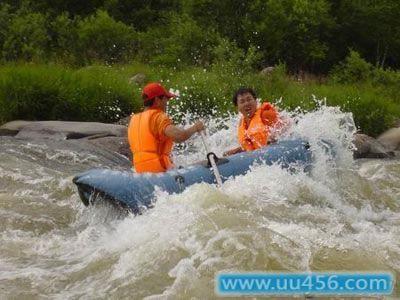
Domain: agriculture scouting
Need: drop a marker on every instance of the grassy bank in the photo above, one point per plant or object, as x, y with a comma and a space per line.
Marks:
105, 94
51, 92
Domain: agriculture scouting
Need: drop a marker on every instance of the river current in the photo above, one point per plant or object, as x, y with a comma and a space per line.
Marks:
344, 216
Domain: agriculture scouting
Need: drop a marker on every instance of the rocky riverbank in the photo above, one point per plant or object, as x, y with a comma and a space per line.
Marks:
100, 136
113, 137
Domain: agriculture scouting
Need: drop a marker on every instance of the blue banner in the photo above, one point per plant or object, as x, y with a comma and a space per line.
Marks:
230, 284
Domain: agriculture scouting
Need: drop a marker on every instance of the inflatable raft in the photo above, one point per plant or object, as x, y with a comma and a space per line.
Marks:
136, 191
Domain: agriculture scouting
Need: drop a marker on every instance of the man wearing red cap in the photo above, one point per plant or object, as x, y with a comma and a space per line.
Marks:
151, 133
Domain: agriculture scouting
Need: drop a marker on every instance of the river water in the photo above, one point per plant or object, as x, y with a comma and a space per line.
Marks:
344, 216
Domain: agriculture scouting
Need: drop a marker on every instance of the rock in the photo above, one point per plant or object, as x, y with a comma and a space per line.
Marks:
70, 156
114, 144
267, 71
124, 121
106, 137
368, 147
391, 139
139, 78
13, 127
63, 130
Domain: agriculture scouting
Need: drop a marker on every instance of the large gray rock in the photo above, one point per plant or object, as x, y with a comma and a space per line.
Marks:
368, 147
113, 138
109, 137
113, 143
62, 130
13, 127
391, 139
71, 156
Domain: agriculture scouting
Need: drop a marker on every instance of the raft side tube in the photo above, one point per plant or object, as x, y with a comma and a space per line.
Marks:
134, 190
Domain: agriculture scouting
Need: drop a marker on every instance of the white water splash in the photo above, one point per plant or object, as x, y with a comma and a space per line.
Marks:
341, 217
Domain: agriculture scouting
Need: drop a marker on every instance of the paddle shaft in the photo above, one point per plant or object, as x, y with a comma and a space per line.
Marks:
212, 160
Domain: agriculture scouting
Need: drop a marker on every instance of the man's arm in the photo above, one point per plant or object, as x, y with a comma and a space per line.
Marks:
233, 151
180, 135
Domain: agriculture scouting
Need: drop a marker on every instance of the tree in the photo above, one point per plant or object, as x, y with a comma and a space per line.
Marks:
5, 19
295, 31
27, 38
181, 42
101, 38
64, 36
57, 7
371, 28
227, 17
142, 15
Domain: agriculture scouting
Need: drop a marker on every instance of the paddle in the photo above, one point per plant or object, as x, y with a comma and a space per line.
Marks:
211, 159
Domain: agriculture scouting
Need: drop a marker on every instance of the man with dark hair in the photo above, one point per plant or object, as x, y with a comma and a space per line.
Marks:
242, 91
151, 133
256, 122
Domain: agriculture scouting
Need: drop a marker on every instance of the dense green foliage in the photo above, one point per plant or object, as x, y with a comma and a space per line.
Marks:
72, 60
306, 35
53, 93
100, 93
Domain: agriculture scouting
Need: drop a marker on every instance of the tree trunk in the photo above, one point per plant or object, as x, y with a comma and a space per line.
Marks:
384, 56
377, 58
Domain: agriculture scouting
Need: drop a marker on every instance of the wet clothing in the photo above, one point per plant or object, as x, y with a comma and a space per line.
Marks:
255, 134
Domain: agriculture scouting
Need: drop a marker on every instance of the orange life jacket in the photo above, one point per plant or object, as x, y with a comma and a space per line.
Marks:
256, 134
149, 153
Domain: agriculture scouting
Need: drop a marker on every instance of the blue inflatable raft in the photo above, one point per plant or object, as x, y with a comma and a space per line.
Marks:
136, 191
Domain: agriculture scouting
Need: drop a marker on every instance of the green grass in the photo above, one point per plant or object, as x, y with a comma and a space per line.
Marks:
105, 94
51, 92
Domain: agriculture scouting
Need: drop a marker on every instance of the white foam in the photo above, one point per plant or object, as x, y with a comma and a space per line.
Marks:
269, 219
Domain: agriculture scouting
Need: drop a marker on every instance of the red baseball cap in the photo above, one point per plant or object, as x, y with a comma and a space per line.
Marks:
154, 89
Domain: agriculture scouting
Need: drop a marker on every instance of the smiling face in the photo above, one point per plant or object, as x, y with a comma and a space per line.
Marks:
247, 105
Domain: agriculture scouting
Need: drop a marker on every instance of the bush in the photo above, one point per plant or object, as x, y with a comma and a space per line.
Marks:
64, 36
202, 93
372, 114
388, 82
229, 58
102, 39
98, 93
360, 73
373, 111
26, 38
5, 20
386, 78
183, 42
354, 69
